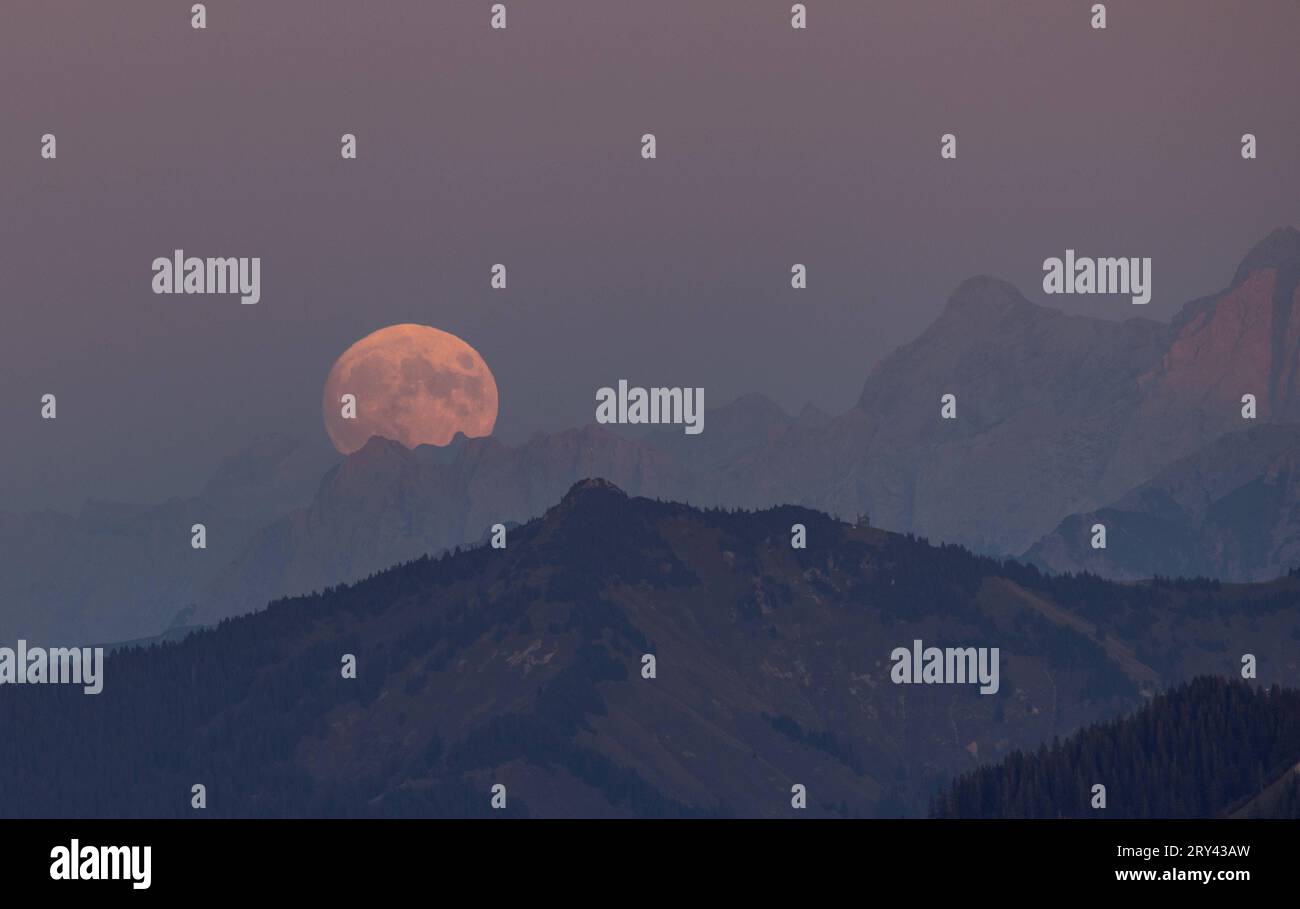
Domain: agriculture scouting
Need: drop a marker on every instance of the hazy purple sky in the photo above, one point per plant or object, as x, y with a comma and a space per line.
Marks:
522, 147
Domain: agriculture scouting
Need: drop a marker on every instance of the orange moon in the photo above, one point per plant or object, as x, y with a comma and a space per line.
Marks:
413, 384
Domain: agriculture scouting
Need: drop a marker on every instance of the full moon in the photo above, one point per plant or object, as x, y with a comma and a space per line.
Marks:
412, 384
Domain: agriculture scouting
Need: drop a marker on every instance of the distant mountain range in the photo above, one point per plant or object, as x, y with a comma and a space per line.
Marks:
1210, 748
1058, 417
118, 571
1230, 510
1057, 414
523, 666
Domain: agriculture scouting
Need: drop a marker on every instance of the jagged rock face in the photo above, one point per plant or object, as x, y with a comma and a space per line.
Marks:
1242, 341
1040, 394
1229, 511
1057, 413
1226, 504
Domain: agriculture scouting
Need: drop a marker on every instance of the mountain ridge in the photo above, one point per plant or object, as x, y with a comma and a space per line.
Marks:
526, 666
1230, 510
1057, 415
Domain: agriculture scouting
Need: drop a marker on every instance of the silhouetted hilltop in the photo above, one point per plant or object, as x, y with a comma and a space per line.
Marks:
1057, 415
524, 666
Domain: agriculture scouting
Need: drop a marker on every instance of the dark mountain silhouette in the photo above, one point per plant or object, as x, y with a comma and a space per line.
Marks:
386, 503
523, 667
1230, 511
1058, 415
1209, 748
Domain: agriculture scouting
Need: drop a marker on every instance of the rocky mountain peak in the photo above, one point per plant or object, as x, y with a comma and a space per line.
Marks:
592, 488
1280, 249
